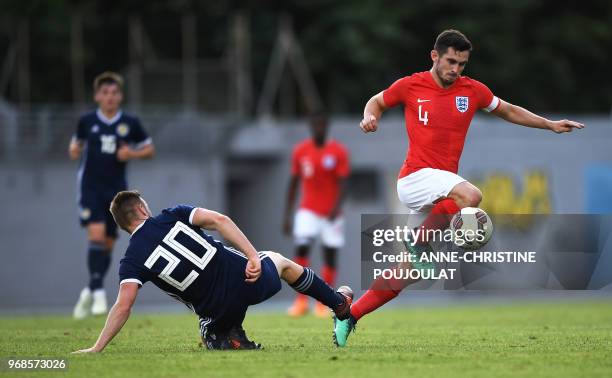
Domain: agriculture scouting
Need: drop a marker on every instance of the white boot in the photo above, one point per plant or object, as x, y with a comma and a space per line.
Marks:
99, 302
83, 305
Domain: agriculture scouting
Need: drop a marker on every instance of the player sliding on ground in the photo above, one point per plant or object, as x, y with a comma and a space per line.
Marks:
439, 105
215, 281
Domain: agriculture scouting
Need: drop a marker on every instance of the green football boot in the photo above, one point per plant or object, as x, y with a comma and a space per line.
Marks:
342, 329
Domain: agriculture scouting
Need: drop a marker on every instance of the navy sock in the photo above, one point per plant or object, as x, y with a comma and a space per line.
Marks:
312, 285
98, 261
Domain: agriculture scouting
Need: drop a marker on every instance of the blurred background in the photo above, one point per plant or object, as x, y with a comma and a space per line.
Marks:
224, 89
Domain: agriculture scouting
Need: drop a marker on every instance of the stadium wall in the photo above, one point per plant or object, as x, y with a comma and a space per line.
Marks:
518, 169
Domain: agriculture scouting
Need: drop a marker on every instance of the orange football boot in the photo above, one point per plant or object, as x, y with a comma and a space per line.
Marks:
299, 307
322, 311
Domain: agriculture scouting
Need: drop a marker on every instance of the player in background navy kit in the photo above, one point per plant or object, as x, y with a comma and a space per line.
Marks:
105, 140
215, 281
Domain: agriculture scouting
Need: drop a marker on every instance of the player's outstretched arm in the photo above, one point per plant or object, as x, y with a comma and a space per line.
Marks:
212, 220
372, 112
118, 315
524, 117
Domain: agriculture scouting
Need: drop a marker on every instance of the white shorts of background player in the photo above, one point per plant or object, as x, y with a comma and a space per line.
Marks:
309, 225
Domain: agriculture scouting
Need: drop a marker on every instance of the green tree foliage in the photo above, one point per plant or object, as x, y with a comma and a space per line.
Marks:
552, 56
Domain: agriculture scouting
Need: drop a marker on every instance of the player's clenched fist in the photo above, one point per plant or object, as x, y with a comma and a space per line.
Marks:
253, 270
74, 150
124, 153
369, 124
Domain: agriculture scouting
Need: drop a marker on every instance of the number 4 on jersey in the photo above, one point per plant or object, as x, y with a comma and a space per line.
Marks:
423, 116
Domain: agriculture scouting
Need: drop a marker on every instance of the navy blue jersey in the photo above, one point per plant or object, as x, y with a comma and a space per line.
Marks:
102, 137
194, 268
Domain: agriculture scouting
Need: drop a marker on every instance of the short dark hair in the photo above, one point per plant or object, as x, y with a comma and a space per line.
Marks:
452, 38
108, 77
123, 207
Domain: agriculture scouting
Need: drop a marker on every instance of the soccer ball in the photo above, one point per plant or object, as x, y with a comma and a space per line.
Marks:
472, 228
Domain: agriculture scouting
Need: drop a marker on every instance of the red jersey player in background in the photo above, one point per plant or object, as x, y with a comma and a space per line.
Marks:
322, 166
439, 105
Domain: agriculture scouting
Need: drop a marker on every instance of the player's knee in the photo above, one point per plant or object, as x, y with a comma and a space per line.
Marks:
468, 196
281, 262
275, 256
96, 233
474, 197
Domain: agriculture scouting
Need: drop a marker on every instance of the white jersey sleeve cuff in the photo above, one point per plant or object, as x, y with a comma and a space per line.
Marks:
493, 105
134, 280
191, 215
143, 143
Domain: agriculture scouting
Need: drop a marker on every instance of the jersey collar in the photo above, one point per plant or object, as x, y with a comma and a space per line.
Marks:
137, 228
108, 121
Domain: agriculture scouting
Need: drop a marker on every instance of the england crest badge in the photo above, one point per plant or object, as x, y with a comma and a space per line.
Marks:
462, 103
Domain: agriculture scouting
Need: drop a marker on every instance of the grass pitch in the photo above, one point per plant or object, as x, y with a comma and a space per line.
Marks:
531, 340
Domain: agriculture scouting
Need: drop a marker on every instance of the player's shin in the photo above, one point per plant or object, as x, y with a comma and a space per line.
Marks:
312, 285
438, 219
328, 271
305, 262
98, 261
300, 305
380, 292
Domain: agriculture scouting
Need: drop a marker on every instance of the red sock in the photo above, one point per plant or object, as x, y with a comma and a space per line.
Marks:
329, 275
439, 218
381, 292
303, 261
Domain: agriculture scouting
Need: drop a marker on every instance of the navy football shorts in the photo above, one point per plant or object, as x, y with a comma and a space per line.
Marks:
242, 294
94, 207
